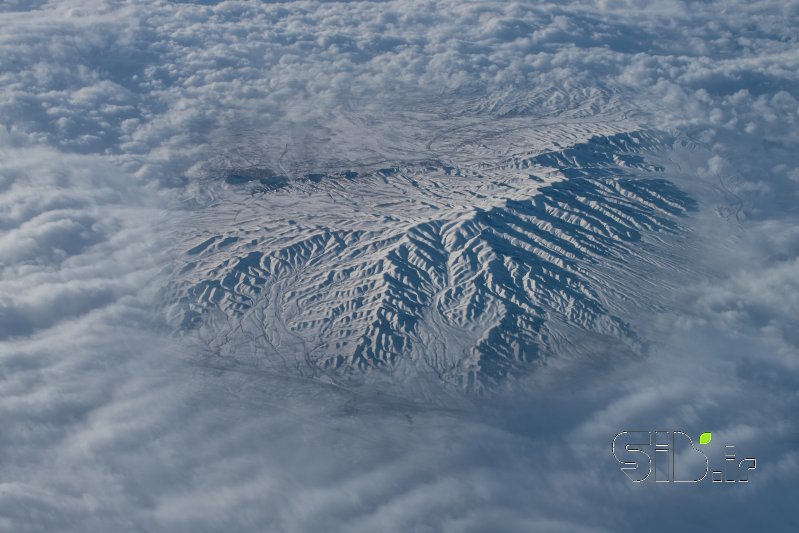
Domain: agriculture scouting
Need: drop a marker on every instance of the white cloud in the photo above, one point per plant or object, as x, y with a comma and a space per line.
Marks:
109, 110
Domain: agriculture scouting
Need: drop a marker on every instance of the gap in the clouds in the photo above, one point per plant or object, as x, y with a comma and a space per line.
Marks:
598, 244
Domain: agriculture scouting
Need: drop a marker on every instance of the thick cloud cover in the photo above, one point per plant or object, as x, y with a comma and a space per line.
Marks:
112, 112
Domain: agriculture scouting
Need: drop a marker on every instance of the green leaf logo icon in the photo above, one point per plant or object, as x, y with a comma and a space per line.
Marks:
704, 438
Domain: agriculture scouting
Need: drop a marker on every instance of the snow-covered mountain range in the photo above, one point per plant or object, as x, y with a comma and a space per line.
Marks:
467, 273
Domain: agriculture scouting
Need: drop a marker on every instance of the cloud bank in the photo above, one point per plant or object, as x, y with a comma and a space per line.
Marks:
113, 116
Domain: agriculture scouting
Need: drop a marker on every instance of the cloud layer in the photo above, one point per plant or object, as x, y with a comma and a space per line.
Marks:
113, 116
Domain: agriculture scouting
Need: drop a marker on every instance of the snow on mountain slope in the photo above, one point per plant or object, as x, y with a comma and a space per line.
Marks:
468, 272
